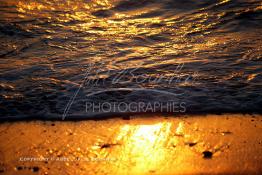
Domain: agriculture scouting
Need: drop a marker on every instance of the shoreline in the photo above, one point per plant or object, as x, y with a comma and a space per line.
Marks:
138, 144
108, 116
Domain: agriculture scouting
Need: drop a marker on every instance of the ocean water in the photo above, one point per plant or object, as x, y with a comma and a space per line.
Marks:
58, 57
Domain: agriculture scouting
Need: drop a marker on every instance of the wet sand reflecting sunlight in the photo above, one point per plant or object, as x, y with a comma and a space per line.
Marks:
142, 145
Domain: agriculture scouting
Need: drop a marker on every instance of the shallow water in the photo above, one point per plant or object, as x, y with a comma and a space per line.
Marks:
57, 55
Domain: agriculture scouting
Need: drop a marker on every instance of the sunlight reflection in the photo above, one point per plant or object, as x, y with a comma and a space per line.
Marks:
145, 144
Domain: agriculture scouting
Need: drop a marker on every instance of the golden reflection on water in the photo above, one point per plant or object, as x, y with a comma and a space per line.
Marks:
124, 27
82, 12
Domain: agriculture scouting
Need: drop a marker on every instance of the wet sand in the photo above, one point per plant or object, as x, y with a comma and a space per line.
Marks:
210, 144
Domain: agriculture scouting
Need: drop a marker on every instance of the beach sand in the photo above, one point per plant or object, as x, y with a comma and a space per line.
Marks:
145, 144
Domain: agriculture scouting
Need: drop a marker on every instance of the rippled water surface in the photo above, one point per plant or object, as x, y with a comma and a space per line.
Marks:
208, 51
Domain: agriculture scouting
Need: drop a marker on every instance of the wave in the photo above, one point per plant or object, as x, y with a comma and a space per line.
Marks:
49, 45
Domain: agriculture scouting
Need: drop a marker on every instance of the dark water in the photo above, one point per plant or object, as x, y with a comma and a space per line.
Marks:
57, 55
